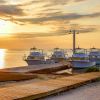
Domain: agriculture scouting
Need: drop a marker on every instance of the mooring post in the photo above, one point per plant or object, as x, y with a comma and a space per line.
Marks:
74, 40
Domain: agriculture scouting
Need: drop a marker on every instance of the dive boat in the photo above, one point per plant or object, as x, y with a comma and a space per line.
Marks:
94, 55
80, 59
40, 61
35, 57
58, 55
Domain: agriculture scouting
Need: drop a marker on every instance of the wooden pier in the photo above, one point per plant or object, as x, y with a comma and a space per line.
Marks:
31, 91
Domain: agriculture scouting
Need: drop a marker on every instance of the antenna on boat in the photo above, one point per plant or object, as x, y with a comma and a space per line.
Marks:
74, 32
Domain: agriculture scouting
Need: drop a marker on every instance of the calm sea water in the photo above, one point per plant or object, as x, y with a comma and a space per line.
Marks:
12, 58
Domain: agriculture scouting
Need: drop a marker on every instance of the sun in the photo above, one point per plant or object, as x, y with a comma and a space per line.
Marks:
5, 27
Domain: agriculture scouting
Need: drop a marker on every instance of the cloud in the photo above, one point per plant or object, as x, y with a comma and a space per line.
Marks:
86, 30
58, 2
56, 17
79, 0
2, 1
97, 14
49, 14
33, 35
44, 14
14, 10
53, 2
58, 31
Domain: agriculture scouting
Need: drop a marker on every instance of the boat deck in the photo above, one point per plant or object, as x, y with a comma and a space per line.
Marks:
31, 91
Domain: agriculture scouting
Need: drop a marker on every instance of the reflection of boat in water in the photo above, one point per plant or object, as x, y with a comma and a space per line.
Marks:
80, 59
95, 55
36, 56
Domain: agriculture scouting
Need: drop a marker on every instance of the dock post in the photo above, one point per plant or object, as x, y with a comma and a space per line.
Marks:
74, 40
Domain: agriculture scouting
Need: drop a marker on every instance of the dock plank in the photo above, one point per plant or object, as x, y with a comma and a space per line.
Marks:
37, 90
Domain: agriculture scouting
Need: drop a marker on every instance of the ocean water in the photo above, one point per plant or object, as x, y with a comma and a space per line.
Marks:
14, 58
11, 58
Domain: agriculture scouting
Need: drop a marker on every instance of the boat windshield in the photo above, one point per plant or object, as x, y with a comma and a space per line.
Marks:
80, 50
95, 50
59, 53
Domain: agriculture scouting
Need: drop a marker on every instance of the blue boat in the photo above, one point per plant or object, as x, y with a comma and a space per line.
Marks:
95, 55
80, 59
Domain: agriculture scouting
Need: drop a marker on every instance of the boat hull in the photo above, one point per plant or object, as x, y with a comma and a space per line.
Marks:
95, 60
83, 64
57, 60
35, 62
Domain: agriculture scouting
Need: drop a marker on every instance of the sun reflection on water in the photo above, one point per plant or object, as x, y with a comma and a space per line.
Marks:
2, 58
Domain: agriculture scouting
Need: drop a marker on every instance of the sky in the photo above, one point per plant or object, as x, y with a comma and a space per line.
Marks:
45, 23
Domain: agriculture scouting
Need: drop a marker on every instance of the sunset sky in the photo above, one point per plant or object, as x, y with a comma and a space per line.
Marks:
44, 23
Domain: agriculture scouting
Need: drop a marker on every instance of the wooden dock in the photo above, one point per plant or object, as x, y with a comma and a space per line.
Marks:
31, 91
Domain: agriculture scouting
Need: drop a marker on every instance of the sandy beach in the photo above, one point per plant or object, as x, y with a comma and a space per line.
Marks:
87, 92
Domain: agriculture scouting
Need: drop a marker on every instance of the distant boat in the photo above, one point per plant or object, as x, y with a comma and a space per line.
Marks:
80, 59
36, 57
95, 55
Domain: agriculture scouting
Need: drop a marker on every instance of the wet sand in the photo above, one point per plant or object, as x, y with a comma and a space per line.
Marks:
87, 92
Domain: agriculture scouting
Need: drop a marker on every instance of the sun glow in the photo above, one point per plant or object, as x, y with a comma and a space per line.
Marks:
5, 27
2, 58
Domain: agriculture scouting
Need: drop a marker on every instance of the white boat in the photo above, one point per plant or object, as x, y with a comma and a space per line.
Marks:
58, 55
80, 59
36, 57
94, 55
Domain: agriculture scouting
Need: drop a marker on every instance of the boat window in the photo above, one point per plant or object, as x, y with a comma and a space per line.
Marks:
98, 57
93, 56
